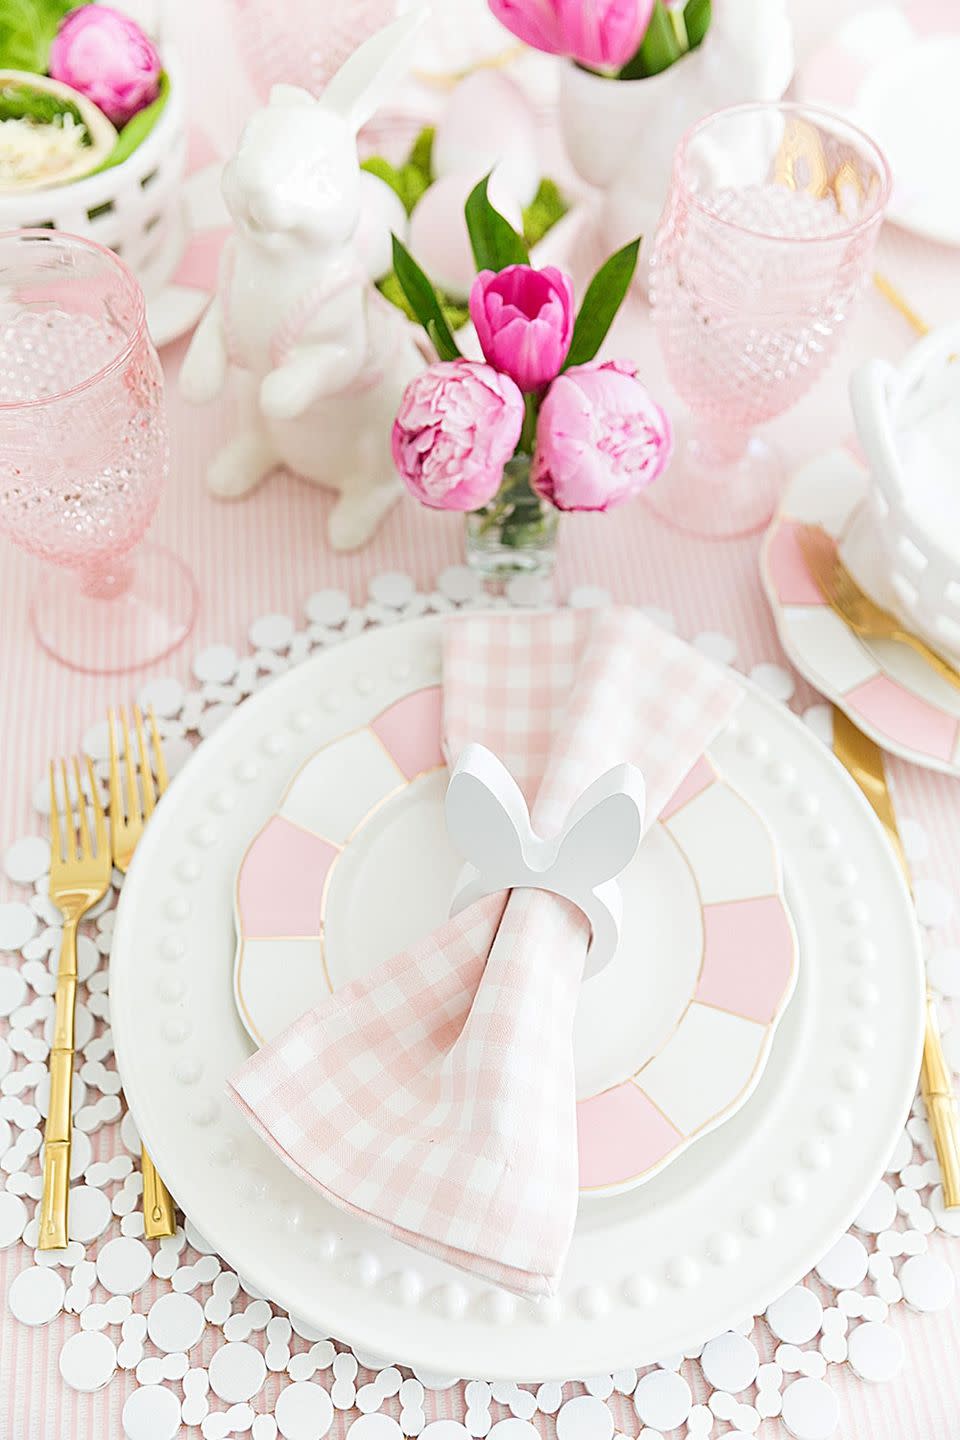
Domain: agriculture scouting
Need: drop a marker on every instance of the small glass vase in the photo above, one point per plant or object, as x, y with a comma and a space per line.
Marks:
516, 534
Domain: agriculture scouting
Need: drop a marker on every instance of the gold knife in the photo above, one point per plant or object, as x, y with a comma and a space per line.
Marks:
864, 761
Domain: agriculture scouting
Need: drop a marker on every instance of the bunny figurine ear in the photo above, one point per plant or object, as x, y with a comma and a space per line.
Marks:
364, 81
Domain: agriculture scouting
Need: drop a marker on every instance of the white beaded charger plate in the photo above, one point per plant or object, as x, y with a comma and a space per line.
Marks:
355, 864
735, 1221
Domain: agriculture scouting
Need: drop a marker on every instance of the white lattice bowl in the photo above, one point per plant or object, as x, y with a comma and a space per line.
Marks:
133, 208
904, 542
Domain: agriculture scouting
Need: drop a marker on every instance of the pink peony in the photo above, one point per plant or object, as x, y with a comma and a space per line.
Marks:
107, 57
603, 34
601, 438
524, 321
458, 425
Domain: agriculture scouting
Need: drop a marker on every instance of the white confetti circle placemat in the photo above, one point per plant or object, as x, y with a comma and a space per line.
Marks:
195, 1348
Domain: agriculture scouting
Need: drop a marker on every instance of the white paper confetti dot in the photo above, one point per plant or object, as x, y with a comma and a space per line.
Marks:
730, 1362
935, 903
13, 1217
151, 1413
88, 1360
123, 1265
328, 607
393, 589
662, 1400
810, 1410
795, 1318
13, 990
875, 1352
18, 924
26, 860
175, 1322
445, 1430
845, 1266
36, 1295
585, 1418
775, 679
943, 970
303, 1411
271, 632
217, 664
237, 1371
719, 647
380, 1427
928, 1282
89, 1213
879, 1212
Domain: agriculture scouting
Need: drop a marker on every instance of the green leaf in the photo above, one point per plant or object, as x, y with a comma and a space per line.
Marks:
138, 127
22, 101
455, 313
423, 301
544, 211
494, 241
659, 49
27, 28
421, 153
697, 14
603, 299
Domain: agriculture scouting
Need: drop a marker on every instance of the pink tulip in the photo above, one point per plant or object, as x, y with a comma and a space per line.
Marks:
524, 321
603, 34
601, 438
107, 57
458, 425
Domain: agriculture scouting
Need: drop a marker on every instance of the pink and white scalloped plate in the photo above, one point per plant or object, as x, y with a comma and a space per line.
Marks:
670, 1040
886, 688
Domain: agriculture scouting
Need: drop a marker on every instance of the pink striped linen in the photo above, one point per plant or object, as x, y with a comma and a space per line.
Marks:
436, 1097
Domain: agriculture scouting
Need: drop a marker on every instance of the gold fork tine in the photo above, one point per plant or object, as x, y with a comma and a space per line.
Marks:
116, 797
86, 847
56, 835
99, 819
146, 772
158, 754
133, 790
69, 843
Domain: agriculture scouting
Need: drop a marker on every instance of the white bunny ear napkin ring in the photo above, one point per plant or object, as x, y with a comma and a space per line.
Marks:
488, 821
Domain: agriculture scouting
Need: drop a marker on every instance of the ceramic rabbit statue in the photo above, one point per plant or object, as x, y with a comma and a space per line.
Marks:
295, 309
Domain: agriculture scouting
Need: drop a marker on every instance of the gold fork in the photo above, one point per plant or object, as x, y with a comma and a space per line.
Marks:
79, 876
129, 811
864, 616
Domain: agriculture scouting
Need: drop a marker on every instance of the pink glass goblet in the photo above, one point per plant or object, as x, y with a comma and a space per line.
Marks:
84, 453
303, 42
763, 248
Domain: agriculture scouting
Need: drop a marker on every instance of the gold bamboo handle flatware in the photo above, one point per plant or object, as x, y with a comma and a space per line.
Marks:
79, 875
131, 805
864, 616
899, 302
864, 761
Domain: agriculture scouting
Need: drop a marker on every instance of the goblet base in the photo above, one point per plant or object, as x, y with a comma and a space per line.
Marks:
714, 497
103, 635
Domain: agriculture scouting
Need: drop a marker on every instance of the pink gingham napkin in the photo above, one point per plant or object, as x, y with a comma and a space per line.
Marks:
436, 1097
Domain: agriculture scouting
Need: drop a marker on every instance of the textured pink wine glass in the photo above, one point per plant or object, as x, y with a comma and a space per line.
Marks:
84, 453
763, 248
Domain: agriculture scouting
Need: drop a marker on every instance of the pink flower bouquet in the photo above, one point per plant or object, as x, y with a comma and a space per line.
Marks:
627, 39
539, 425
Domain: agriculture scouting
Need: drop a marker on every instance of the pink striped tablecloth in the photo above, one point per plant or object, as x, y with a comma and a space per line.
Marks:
268, 553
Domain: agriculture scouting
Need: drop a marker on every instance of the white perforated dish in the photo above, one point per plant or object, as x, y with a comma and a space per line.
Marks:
741, 1216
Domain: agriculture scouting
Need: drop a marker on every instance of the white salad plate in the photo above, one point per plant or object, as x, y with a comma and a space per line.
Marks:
893, 70
670, 1039
739, 1217
886, 688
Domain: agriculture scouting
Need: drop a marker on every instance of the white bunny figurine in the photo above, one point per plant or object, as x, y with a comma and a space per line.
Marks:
295, 308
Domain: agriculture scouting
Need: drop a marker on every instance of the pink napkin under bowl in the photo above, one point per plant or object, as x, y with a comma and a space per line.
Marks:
436, 1096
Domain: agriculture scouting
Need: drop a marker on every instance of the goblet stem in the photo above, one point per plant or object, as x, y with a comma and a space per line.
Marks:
107, 580
723, 483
